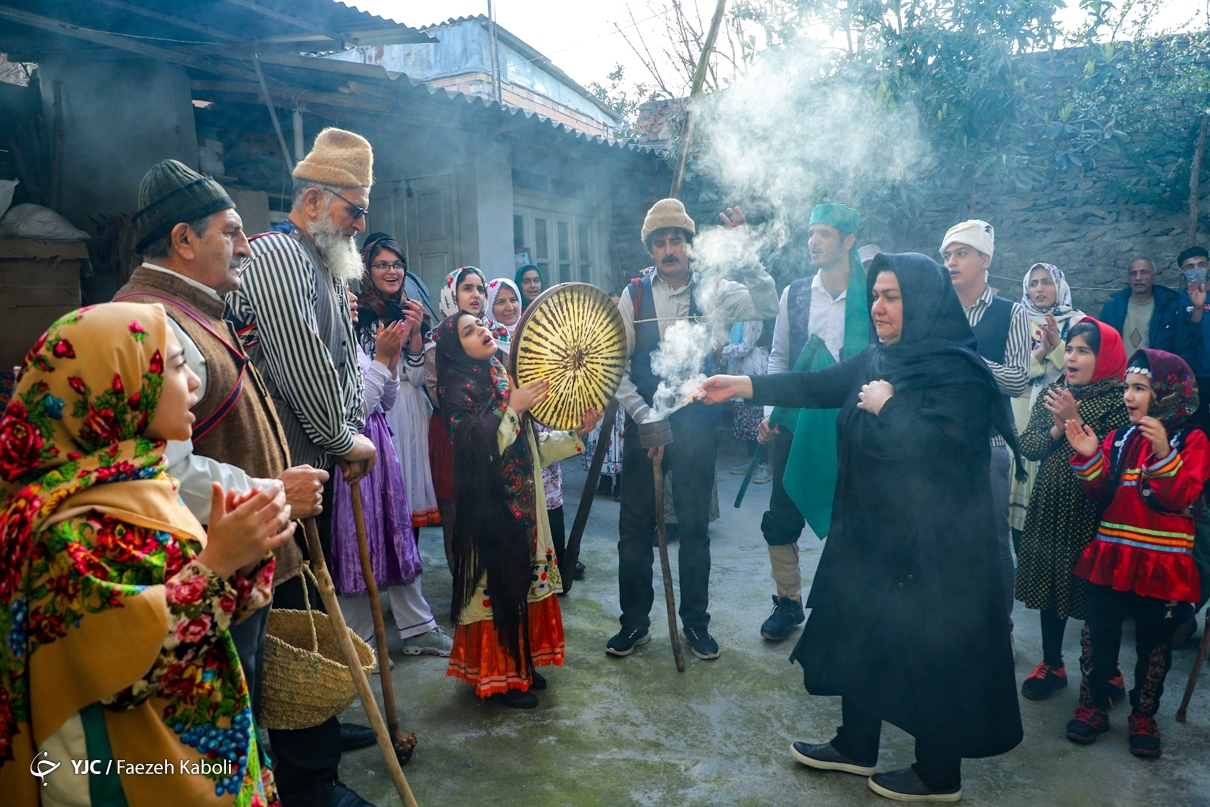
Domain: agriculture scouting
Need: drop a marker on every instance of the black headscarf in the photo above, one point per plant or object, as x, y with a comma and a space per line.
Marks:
494, 505
937, 343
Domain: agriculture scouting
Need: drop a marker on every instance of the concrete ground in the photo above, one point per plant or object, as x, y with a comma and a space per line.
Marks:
633, 731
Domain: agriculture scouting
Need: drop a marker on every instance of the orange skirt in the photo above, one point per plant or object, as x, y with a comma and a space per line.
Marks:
478, 659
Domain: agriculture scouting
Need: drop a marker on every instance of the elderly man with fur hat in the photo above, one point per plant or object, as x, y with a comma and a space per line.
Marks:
672, 292
1002, 330
292, 307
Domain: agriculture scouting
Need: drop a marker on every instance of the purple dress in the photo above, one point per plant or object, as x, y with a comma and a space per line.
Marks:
394, 556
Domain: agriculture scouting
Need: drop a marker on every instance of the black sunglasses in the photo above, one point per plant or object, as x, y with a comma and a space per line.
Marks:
356, 211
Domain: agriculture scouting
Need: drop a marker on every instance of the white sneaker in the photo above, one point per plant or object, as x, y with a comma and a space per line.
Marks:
433, 643
762, 475
741, 469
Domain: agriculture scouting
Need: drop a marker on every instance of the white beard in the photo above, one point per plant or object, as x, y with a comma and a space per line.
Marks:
339, 251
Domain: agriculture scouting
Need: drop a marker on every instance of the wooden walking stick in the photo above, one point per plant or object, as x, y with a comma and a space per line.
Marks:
328, 594
1202, 649
567, 564
656, 434
404, 743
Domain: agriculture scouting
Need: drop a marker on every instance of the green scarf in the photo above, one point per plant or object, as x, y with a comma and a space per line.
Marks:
810, 477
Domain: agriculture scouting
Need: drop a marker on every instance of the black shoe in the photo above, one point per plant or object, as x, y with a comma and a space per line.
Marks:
328, 794
1144, 736
1043, 681
604, 485
353, 737
701, 643
580, 570
905, 785
626, 640
826, 758
1086, 723
537, 681
515, 699
787, 613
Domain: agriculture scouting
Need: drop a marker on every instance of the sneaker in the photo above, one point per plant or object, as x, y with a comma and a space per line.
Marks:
1144, 736
626, 640
905, 785
604, 485
1087, 723
741, 469
515, 699
826, 758
700, 642
762, 475
786, 614
433, 643
1118, 682
1043, 681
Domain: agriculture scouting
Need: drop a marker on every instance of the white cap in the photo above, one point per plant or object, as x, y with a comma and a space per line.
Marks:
975, 233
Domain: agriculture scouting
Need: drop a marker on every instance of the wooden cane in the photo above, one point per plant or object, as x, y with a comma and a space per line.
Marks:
567, 563
1202, 649
404, 743
657, 467
328, 594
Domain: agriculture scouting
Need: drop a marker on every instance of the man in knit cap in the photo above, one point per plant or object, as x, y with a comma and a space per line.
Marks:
673, 292
821, 320
292, 307
1002, 330
192, 242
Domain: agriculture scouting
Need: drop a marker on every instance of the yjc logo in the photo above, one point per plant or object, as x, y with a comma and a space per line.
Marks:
43, 767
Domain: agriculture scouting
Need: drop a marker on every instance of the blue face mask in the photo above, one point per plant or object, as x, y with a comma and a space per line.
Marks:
1194, 276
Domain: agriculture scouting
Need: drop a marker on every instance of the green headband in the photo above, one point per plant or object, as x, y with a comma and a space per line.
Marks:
842, 217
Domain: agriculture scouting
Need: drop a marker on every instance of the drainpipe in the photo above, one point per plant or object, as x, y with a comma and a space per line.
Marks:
491, 26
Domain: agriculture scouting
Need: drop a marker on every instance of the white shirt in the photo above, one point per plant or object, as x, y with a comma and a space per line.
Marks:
826, 321
193, 471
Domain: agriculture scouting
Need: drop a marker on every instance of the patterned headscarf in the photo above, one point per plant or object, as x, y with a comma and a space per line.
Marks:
87, 390
1174, 390
493, 290
466, 385
449, 305
1062, 306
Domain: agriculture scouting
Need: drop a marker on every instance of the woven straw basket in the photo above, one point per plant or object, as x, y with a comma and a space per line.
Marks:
301, 688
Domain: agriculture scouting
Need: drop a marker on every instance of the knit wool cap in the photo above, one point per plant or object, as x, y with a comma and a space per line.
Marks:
842, 217
666, 213
340, 159
974, 233
171, 193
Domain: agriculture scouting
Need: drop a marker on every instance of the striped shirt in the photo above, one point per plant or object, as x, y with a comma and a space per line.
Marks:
1012, 377
277, 309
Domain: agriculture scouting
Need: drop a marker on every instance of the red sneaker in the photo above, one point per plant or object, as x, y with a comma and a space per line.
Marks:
1043, 681
1086, 723
1144, 736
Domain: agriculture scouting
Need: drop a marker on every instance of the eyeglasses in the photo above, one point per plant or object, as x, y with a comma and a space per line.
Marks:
355, 211
382, 266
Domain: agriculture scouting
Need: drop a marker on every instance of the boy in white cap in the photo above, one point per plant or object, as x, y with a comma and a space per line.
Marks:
1002, 330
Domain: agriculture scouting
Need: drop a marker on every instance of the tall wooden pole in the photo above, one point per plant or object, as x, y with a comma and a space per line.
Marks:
699, 78
1195, 171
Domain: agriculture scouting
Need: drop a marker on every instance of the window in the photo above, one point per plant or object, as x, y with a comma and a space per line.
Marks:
518, 232
565, 273
542, 246
584, 245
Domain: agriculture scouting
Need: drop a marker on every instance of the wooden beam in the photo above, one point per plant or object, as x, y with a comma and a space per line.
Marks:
119, 42
177, 21
295, 21
290, 98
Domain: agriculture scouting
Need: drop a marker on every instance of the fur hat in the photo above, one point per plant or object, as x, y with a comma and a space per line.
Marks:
171, 193
666, 213
340, 159
974, 233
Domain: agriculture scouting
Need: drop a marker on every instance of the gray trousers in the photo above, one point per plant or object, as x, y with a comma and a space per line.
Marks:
1000, 484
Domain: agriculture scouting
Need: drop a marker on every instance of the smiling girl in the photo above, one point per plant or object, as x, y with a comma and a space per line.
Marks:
1061, 520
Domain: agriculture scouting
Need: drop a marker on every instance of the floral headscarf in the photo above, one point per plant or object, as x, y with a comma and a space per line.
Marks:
1173, 387
88, 388
493, 290
1062, 306
449, 305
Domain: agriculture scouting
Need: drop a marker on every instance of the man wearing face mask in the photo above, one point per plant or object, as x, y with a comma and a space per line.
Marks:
829, 310
1002, 330
649, 305
293, 310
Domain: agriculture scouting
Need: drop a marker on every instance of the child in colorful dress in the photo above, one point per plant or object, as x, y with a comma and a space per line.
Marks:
505, 572
1140, 566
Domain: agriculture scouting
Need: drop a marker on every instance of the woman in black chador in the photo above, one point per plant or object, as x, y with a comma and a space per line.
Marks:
907, 622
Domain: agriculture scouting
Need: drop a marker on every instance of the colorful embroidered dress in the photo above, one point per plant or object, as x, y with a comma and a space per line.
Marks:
116, 644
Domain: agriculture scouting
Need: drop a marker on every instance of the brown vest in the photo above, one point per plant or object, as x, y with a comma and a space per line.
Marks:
248, 435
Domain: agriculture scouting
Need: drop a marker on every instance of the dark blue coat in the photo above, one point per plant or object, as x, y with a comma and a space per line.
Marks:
1170, 329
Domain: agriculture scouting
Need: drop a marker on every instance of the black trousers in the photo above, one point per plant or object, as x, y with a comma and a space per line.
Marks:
1154, 623
306, 757
558, 532
861, 733
782, 523
691, 458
